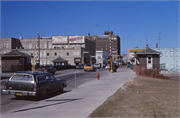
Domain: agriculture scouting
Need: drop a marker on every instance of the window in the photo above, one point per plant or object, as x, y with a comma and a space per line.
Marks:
40, 54
31, 54
166, 53
22, 77
176, 53
44, 54
177, 65
149, 60
6, 45
40, 78
171, 53
30, 46
49, 46
67, 53
47, 54
55, 54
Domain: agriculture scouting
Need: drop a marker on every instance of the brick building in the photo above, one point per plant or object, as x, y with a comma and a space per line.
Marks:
102, 43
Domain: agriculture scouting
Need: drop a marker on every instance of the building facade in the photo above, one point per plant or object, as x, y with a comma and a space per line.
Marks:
102, 57
51, 49
102, 43
169, 58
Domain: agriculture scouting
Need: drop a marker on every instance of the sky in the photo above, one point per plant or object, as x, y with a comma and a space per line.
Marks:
135, 22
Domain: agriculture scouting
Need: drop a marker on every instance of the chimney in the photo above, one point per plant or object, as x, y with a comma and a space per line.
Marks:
88, 34
20, 37
156, 45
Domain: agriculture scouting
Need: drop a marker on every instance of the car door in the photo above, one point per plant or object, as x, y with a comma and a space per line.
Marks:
51, 83
56, 82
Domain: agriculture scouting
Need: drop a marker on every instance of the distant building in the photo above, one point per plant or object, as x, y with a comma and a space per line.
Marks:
102, 43
7, 44
102, 57
65, 46
169, 57
15, 61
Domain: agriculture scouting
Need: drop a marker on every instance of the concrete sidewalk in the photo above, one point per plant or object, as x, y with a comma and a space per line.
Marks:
79, 102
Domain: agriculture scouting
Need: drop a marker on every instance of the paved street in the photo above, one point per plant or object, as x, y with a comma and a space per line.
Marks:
80, 102
9, 102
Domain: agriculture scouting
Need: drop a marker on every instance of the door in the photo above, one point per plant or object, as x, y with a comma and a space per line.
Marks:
149, 62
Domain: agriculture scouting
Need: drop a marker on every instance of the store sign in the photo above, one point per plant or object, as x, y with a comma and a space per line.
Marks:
59, 39
76, 39
135, 50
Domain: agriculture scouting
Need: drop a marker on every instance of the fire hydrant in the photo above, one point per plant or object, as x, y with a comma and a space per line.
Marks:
98, 76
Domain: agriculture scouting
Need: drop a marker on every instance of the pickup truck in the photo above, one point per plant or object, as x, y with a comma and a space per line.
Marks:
33, 84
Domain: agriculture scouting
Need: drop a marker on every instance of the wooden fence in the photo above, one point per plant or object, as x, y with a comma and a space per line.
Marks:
143, 71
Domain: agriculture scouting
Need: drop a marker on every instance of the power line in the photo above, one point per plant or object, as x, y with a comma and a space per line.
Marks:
65, 16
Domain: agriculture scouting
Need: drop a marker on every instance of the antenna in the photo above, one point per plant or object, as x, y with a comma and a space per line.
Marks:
159, 39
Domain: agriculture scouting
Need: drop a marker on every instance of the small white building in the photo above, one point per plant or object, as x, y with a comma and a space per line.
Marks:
101, 57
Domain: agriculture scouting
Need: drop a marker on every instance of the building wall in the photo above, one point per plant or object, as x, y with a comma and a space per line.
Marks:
49, 52
102, 42
7, 62
101, 57
143, 60
170, 57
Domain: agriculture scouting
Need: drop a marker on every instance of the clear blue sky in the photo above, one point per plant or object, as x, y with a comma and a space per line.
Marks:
133, 21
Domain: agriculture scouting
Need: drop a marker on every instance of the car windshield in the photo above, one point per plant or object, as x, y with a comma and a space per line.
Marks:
88, 65
22, 77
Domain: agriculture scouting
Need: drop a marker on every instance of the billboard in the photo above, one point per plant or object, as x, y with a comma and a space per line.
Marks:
76, 39
59, 39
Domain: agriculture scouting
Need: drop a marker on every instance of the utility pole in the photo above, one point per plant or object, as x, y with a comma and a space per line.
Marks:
159, 39
37, 52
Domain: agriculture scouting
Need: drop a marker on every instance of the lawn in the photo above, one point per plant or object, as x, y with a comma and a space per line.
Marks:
143, 97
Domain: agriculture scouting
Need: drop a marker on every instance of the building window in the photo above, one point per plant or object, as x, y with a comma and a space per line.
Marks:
31, 54
176, 53
177, 65
171, 53
47, 54
55, 54
44, 54
67, 53
6, 44
166, 53
149, 60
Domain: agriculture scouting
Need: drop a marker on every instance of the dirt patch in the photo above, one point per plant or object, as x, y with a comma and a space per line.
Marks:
143, 97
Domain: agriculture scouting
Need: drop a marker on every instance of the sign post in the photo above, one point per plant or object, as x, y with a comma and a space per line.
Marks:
111, 60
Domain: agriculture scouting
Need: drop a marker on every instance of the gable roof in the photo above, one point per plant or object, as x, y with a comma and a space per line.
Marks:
16, 53
59, 59
148, 51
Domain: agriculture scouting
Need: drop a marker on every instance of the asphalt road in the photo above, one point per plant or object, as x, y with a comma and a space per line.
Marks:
9, 102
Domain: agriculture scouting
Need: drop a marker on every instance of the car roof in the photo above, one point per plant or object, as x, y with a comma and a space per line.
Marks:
33, 73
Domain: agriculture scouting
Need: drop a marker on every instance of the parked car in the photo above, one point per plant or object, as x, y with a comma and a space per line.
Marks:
107, 66
80, 66
49, 69
97, 66
33, 84
89, 67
